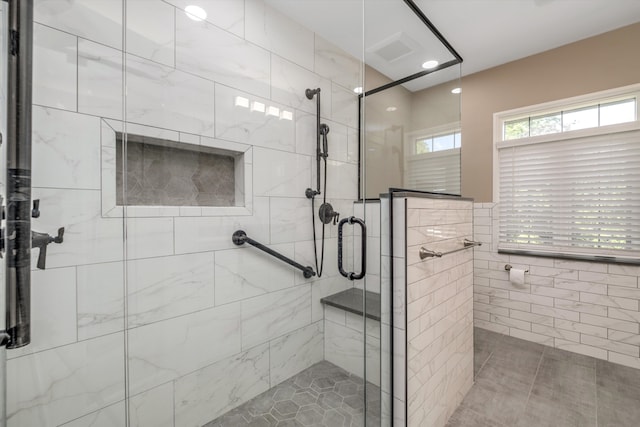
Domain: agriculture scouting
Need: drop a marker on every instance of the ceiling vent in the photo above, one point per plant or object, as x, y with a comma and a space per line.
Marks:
394, 48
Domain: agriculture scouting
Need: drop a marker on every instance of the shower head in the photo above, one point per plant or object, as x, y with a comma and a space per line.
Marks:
311, 93
324, 130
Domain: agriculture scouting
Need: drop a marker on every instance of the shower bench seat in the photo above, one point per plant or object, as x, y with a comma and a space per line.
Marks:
348, 340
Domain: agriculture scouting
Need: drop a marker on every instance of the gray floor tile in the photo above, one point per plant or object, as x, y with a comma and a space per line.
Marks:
466, 417
323, 395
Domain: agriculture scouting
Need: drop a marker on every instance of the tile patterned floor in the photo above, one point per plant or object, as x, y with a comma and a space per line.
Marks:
523, 384
323, 395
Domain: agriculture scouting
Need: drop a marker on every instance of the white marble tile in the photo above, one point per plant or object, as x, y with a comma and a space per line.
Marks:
88, 238
112, 415
345, 348
165, 287
353, 145
296, 351
55, 386
277, 173
212, 53
208, 393
305, 256
153, 408
199, 234
100, 299
271, 315
53, 306
54, 68
291, 219
66, 149
342, 180
325, 287
166, 350
277, 33
246, 273
336, 64
344, 106
149, 237
100, 71
151, 30
168, 98
289, 82
243, 118
226, 14
97, 20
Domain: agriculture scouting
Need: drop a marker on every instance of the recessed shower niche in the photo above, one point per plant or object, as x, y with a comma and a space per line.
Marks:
164, 173
167, 173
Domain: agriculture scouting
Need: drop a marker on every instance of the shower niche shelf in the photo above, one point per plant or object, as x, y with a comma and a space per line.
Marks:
158, 173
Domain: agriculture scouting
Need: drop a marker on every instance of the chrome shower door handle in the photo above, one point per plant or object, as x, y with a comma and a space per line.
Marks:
363, 268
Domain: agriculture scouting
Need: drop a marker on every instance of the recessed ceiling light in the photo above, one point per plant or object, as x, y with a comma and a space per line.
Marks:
273, 111
358, 90
195, 12
241, 101
392, 108
456, 90
430, 64
257, 106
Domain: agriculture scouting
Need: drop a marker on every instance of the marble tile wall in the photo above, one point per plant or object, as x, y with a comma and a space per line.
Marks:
433, 333
203, 332
583, 307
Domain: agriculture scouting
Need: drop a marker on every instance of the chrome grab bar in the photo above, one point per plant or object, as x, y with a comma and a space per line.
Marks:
426, 253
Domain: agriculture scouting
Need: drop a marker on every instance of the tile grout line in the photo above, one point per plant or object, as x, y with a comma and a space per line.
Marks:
544, 350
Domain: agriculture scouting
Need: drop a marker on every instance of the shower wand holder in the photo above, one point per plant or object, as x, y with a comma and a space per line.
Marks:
41, 241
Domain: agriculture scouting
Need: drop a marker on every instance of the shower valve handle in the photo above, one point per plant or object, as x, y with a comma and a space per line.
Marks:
41, 241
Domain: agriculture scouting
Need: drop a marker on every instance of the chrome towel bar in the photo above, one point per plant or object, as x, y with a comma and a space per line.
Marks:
426, 253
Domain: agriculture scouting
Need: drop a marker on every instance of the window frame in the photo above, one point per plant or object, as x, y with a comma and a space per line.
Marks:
499, 142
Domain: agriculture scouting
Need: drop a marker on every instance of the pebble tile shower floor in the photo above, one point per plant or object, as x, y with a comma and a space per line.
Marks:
323, 395
523, 384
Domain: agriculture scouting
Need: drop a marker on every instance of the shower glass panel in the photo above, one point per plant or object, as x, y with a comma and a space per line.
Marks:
3, 172
220, 139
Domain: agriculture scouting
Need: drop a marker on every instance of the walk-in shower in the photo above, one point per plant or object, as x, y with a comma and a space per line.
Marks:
174, 159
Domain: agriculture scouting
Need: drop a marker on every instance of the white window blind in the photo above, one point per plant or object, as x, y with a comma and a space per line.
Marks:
571, 196
437, 172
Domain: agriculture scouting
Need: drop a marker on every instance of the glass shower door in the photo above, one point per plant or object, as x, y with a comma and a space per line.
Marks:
72, 373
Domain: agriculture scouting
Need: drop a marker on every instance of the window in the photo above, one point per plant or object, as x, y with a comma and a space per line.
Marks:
568, 178
434, 164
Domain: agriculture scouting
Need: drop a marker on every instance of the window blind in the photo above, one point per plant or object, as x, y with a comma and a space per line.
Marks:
438, 171
573, 196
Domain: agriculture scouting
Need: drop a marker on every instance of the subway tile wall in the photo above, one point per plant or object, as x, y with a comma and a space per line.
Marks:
585, 307
206, 325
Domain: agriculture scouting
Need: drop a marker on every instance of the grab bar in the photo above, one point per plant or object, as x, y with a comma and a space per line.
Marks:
240, 237
426, 253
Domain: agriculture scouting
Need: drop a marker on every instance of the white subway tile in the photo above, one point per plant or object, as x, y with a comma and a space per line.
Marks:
100, 299
153, 407
100, 90
626, 324
559, 273
582, 266
500, 311
555, 293
555, 312
624, 292
533, 299
574, 285
532, 317
583, 307
624, 337
556, 333
582, 328
627, 270
296, 351
623, 359
618, 347
509, 303
609, 279
587, 350
617, 313
609, 301
512, 323
501, 329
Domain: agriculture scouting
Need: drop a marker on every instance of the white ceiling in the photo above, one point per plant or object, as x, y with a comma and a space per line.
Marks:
486, 33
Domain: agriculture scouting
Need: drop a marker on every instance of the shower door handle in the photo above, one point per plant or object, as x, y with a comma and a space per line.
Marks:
363, 268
